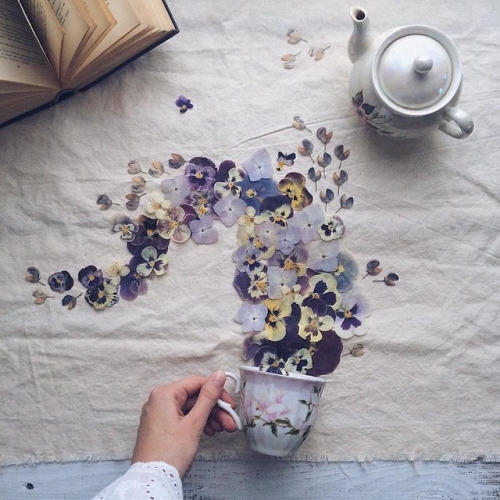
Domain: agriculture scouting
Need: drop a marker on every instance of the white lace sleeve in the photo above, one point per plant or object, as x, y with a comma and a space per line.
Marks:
145, 481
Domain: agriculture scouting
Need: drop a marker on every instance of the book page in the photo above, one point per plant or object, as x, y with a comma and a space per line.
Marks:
77, 29
104, 20
21, 57
47, 29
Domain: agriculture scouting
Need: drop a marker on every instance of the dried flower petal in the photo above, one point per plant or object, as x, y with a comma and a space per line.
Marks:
317, 52
323, 135
33, 275
40, 296
177, 161
307, 148
294, 37
373, 268
104, 201
346, 202
299, 123
134, 167
289, 60
156, 169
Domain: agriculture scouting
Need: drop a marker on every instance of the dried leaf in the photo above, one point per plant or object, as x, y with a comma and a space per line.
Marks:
156, 169
177, 161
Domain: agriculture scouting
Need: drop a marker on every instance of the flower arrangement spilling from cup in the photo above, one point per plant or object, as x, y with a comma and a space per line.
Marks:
297, 284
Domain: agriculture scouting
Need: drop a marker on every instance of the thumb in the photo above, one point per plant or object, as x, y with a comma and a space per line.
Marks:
210, 392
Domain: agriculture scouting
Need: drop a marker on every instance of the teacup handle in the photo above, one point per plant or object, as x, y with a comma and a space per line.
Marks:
227, 407
462, 126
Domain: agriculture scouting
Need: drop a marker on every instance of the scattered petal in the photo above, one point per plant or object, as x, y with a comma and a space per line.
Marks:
317, 52
134, 167
138, 184
177, 161
323, 135
298, 123
294, 37
340, 178
156, 169
289, 60
373, 268
327, 196
40, 296
133, 201
33, 275
346, 202
104, 201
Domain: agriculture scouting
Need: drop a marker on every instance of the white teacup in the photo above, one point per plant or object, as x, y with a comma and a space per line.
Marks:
276, 412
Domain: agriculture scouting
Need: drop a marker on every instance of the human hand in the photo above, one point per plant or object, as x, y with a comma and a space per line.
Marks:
175, 416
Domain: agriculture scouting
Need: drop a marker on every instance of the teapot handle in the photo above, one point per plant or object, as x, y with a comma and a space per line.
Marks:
463, 124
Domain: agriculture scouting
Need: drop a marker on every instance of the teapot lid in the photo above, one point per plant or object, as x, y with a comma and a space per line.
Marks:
416, 70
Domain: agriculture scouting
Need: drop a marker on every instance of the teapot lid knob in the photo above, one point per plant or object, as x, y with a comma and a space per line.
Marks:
423, 64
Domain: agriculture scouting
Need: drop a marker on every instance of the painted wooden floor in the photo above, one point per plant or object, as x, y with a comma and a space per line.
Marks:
270, 479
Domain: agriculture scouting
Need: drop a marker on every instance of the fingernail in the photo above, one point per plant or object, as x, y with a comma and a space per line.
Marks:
218, 378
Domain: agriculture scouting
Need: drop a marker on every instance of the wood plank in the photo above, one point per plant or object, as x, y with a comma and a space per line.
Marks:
271, 479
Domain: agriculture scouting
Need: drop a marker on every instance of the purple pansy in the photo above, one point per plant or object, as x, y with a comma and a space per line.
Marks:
102, 296
132, 285
200, 173
60, 281
183, 103
351, 315
126, 227
254, 192
146, 236
91, 277
149, 261
247, 259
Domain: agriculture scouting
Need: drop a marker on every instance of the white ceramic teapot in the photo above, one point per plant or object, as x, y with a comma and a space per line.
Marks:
407, 81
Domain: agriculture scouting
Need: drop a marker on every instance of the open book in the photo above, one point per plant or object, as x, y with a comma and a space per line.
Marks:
51, 48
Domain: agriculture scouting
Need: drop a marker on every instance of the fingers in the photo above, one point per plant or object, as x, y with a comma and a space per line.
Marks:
210, 392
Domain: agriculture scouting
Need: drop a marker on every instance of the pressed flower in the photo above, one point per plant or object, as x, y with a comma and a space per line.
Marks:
90, 277
277, 209
276, 326
258, 285
147, 235
314, 321
249, 239
158, 206
314, 175
351, 315
326, 197
373, 268
132, 285
104, 201
299, 123
203, 230
300, 361
390, 279
285, 160
175, 189
295, 261
294, 186
200, 173
249, 219
60, 281
323, 287
183, 103
229, 209
308, 221
134, 167
259, 165
270, 361
102, 296
288, 238
323, 255
229, 183
149, 262
248, 259
306, 149
126, 227
267, 232
347, 271
252, 317
202, 202
253, 192
116, 271
138, 184
280, 281
326, 354
176, 225
332, 228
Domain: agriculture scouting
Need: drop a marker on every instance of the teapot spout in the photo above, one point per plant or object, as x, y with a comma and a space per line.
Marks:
361, 37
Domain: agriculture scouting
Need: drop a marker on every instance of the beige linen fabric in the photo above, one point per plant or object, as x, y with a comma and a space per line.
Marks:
72, 382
